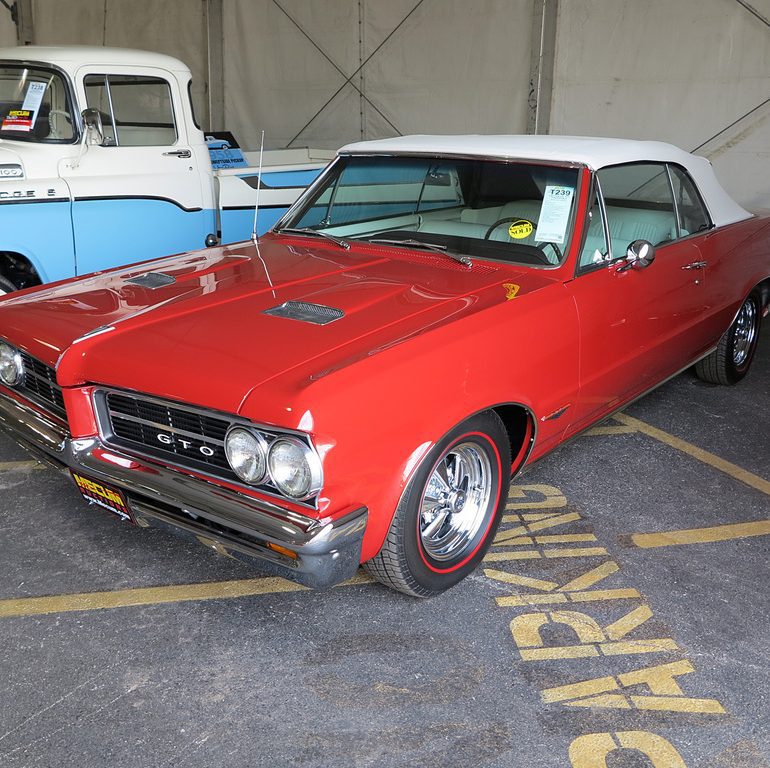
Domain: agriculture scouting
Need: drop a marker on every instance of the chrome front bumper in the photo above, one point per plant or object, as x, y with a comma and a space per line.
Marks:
315, 554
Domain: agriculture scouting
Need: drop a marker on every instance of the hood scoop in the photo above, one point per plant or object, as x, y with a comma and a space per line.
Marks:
304, 311
152, 280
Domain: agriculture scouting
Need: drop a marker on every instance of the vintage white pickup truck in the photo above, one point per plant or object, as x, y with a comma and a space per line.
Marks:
103, 163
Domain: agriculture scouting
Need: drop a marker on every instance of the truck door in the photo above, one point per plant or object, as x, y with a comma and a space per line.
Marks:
140, 194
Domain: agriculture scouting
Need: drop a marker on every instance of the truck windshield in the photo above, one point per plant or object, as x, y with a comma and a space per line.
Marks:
490, 209
34, 105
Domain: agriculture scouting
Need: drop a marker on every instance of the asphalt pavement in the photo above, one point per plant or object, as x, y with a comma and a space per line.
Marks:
579, 638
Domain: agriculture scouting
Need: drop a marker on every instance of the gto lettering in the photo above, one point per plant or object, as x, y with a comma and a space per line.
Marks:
186, 444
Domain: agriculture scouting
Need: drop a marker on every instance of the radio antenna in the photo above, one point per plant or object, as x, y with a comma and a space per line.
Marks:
254, 237
259, 184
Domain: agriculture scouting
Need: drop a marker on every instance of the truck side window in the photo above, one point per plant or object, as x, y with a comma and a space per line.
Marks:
136, 111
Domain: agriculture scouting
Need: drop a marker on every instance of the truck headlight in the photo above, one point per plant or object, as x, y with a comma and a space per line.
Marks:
294, 468
247, 454
11, 366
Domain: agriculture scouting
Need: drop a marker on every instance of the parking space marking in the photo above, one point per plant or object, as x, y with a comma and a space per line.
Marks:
15, 466
611, 692
733, 470
620, 429
702, 535
175, 593
592, 749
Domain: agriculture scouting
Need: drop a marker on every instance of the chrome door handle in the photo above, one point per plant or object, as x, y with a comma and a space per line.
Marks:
696, 265
185, 153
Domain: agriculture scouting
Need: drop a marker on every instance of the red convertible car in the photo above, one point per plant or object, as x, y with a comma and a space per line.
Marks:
359, 386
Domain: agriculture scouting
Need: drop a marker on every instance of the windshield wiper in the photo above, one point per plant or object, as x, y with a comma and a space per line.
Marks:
308, 231
412, 243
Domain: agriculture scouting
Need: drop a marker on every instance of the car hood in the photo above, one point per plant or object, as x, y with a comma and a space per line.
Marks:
203, 336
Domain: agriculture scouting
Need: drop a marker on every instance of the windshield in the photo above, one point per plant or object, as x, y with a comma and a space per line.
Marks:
34, 105
511, 211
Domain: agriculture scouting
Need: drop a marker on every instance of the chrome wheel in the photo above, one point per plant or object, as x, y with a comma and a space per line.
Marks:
455, 502
745, 332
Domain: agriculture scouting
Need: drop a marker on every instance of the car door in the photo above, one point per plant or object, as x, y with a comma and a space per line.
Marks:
638, 324
139, 194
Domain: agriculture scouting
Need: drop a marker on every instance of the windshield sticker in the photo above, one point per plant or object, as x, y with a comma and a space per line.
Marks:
17, 120
554, 215
23, 119
520, 229
34, 97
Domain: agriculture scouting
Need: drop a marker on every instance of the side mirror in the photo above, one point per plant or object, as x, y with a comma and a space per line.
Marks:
639, 255
92, 122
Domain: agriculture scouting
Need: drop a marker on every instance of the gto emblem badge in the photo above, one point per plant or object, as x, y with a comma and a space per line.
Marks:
186, 444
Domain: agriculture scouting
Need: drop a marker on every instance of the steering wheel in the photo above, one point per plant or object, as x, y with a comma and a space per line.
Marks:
53, 116
540, 245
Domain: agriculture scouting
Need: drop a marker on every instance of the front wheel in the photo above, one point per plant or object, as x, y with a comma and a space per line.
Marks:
449, 513
731, 360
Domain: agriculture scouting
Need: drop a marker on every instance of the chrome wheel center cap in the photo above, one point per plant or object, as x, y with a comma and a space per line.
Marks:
457, 501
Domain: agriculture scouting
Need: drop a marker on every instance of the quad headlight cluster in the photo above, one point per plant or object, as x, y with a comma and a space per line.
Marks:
284, 461
11, 365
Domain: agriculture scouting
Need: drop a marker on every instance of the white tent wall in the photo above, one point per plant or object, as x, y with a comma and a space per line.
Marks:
174, 27
7, 28
442, 66
696, 74
670, 70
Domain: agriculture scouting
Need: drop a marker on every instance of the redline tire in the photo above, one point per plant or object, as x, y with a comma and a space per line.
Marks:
449, 513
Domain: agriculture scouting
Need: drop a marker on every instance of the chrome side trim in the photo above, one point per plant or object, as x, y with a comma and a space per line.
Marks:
622, 407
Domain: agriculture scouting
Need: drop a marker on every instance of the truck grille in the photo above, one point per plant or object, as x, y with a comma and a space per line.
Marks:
175, 433
40, 385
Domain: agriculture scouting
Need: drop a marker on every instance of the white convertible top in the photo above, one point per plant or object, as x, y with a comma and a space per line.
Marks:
593, 152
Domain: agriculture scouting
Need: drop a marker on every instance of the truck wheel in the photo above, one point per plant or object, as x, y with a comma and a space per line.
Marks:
6, 286
731, 360
450, 511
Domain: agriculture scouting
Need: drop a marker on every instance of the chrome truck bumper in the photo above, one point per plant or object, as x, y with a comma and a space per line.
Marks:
286, 543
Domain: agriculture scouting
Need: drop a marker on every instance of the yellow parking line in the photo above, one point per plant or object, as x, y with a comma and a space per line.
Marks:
702, 535
733, 470
620, 429
92, 601
11, 466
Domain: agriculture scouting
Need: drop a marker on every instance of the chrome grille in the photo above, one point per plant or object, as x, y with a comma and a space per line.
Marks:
40, 385
181, 435
168, 431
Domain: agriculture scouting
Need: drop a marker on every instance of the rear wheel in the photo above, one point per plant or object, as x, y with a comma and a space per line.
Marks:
449, 513
731, 360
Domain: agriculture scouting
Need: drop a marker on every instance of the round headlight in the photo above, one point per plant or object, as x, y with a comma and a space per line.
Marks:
247, 454
11, 366
294, 468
